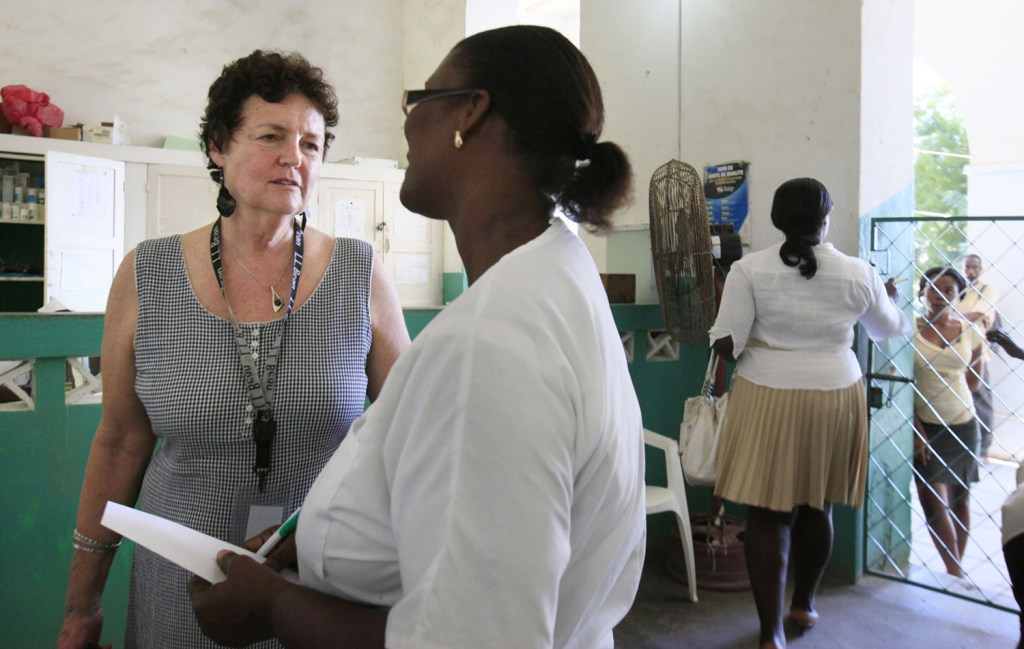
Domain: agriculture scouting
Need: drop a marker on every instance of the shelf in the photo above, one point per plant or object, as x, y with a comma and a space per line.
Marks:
36, 222
38, 146
12, 277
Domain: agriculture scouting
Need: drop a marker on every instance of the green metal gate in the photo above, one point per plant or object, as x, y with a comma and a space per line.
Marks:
897, 540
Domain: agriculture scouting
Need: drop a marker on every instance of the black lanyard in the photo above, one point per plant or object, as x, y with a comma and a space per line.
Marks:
260, 392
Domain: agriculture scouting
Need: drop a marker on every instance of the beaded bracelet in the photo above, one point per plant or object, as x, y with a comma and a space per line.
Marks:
88, 548
87, 544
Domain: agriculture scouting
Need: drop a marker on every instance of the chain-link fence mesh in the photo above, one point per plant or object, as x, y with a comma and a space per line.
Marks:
956, 546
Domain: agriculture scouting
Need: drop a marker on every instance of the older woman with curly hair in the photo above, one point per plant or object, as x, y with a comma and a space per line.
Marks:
241, 352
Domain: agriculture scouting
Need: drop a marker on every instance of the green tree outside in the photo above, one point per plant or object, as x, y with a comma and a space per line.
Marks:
940, 185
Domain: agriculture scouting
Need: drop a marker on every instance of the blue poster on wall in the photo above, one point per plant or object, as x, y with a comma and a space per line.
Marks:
726, 192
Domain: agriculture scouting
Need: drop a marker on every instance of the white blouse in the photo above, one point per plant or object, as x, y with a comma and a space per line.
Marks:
940, 373
493, 495
806, 325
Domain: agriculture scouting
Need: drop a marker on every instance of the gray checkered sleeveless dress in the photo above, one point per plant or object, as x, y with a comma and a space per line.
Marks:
189, 378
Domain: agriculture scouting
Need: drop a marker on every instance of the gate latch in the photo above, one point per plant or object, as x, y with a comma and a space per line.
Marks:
876, 397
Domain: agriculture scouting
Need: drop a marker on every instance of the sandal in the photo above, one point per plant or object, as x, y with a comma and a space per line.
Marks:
803, 618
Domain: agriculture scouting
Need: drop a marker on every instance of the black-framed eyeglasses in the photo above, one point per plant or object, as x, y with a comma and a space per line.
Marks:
412, 97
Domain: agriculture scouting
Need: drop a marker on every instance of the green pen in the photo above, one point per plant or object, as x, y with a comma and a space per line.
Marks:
280, 534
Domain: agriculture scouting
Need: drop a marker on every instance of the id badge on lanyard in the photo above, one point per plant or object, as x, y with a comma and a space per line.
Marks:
261, 392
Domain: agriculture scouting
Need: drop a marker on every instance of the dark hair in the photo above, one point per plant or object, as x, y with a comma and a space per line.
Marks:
546, 91
271, 76
935, 272
799, 210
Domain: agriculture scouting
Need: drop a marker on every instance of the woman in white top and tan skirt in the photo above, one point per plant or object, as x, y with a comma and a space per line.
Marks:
796, 436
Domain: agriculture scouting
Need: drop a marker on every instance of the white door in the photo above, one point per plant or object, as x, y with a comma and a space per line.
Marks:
409, 245
413, 255
351, 208
180, 199
84, 228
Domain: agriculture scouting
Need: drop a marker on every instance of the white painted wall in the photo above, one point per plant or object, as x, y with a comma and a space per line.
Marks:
776, 84
785, 84
976, 47
482, 15
779, 84
633, 48
152, 62
886, 160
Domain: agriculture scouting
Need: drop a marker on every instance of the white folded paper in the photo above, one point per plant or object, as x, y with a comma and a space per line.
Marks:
192, 550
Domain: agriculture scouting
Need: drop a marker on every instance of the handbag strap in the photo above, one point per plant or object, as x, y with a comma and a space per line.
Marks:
708, 389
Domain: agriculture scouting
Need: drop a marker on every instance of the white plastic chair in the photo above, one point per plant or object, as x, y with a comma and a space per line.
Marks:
673, 499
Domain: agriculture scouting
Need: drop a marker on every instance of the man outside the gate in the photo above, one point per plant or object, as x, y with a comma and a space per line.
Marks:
978, 304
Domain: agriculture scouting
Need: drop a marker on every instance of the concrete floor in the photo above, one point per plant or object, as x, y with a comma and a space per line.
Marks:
983, 562
875, 613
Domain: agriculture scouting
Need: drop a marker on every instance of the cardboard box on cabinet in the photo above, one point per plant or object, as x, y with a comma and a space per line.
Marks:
115, 132
72, 132
621, 288
99, 133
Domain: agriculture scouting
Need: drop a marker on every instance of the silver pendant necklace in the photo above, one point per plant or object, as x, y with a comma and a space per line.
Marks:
275, 299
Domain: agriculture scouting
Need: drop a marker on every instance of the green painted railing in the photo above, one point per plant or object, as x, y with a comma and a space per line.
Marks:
43, 452
42, 460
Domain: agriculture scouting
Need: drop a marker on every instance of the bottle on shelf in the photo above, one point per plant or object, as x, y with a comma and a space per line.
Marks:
7, 195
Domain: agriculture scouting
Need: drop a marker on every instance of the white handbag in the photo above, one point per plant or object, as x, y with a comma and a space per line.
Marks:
703, 423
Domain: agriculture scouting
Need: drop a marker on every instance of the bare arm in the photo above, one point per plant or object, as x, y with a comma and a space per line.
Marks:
984, 313
118, 459
974, 370
920, 441
890, 288
975, 316
999, 337
724, 347
390, 335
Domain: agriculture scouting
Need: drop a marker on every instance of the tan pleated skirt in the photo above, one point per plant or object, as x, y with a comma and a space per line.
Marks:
783, 448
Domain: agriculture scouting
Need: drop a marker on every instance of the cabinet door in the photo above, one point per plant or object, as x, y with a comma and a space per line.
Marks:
412, 251
180, 199
84, 228
409, 245
350, 208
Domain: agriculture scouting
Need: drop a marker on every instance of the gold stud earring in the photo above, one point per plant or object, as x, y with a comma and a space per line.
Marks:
458, 140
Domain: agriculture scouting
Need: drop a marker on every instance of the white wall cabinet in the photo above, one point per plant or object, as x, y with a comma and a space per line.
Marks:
22, 246
71, 250
368, 208
85, 228
348, 201
179, 199
148, 192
